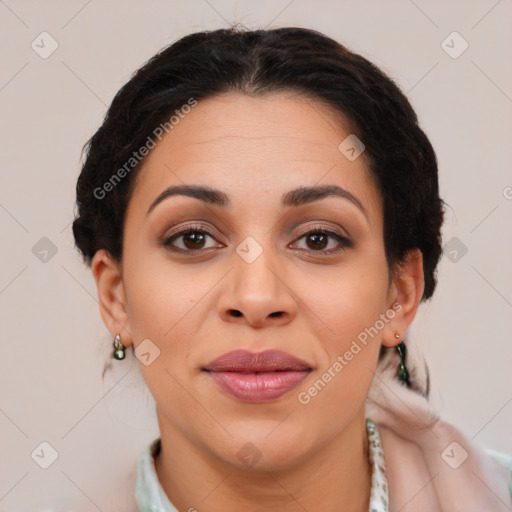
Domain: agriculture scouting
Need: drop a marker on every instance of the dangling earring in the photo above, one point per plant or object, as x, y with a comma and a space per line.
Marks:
402, 372
119, 352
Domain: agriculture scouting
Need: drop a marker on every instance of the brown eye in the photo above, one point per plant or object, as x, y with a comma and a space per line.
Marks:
318, 240
192, 239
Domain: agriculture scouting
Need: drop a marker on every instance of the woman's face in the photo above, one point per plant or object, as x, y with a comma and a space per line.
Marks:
249, 277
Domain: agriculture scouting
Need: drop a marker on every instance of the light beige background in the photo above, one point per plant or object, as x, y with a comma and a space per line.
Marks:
53, 341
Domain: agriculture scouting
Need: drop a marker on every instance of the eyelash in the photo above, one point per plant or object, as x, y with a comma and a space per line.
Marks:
167, 241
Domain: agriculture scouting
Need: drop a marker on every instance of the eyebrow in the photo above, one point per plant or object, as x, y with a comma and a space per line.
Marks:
297, 197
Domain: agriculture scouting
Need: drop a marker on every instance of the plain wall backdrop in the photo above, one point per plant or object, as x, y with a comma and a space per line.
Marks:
54, 344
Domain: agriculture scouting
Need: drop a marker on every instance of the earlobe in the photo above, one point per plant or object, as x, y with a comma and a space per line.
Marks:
405, 295
111, 296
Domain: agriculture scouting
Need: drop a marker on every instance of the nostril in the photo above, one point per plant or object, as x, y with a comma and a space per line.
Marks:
276, 314
235, 312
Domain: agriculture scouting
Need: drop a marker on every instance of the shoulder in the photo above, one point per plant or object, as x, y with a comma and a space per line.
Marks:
448, 473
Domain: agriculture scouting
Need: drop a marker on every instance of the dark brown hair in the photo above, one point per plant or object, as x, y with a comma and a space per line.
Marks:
204, 64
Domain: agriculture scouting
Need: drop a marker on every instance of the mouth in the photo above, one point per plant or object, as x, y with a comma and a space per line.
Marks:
257, 377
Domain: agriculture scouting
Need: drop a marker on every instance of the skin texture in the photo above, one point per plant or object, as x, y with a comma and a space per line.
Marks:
293, 297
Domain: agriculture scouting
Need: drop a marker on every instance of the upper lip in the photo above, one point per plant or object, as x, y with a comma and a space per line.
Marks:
266, 361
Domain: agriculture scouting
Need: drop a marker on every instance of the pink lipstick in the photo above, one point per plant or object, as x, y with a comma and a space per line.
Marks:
257, 377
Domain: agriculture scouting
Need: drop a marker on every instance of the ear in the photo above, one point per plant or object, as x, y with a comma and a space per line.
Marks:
109, 282
404, 297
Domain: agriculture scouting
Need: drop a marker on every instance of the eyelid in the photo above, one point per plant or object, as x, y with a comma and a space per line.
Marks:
210, 230
324, 227
196, 226
344, 241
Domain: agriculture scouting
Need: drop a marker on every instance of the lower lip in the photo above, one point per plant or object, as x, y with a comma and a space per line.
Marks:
258, 387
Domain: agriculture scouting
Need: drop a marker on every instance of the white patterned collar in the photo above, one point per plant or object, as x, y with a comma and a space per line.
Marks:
379, 500
151, 497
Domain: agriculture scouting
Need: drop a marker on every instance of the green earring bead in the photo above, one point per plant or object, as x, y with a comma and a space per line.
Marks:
402, 372
119, 352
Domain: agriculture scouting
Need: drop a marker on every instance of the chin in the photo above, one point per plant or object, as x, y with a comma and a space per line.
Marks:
266, 453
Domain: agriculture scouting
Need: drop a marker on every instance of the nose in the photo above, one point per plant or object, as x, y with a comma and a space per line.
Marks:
258, 294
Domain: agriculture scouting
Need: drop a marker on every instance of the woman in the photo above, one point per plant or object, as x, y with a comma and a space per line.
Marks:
261, 214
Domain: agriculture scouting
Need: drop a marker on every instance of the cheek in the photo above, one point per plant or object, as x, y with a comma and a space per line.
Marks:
165, 305
162, 296
345, 316
346, 310
347, 303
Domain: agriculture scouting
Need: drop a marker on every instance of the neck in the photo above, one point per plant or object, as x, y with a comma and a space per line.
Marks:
336, 477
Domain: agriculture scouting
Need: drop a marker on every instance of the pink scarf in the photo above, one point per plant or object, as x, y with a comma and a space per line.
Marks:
431, 466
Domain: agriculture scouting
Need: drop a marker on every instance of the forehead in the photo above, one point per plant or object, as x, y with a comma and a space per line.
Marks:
251, 146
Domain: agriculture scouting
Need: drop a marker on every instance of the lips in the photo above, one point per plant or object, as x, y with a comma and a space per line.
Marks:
268, 361
257, 377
